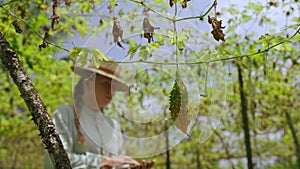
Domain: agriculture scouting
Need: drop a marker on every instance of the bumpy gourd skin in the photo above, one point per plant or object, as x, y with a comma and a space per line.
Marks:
179, 104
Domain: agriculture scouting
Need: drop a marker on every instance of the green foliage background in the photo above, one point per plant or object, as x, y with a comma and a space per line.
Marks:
270, 63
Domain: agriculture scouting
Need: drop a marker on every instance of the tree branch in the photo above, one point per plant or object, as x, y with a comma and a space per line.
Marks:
295, 138
220, 59
35, 105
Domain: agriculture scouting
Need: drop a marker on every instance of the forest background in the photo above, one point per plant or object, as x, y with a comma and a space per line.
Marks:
243, 92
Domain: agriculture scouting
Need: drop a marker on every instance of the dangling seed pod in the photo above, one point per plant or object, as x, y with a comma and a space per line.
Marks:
117, 32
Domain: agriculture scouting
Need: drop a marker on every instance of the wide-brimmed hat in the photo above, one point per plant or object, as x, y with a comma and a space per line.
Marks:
106, 69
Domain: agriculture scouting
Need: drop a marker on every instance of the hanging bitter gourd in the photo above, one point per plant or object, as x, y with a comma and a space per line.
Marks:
179, 104
175, 101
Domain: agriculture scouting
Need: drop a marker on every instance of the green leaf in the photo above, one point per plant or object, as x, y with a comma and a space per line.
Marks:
84, 54
246, 18
180, 45
144, 53
258, 59
74, 52
170, 33
287, 47
133, 48
257, 7
96, 61
112, 5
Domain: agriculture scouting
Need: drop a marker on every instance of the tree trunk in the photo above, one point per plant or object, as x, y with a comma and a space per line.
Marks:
296, 142
198, 159
245, 118
168, 162
35, 105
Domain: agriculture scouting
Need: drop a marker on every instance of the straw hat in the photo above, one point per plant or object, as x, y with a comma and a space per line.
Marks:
106, 69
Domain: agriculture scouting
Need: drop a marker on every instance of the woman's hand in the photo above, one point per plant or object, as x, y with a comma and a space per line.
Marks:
145, 165
117, 160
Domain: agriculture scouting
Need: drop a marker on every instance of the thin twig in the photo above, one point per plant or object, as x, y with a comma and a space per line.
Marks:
200, 16
153, 10
220, 59
175, 35
1, 5
30, 26
174, 18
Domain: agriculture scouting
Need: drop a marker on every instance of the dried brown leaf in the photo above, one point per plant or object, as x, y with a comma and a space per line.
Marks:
182, 122
171, 3
184, 3
217, 31
44, 43
117, 32
17, 27
218, 34
67, 2
148, 30
54, 17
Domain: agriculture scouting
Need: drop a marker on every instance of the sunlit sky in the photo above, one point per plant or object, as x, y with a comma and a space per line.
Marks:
196, 7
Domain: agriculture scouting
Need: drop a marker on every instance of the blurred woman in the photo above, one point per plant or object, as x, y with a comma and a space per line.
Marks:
91, 139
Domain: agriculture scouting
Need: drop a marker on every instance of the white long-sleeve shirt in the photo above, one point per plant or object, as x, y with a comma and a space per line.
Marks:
100, 133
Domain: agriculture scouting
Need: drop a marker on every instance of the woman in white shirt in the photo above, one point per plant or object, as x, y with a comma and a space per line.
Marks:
91, 139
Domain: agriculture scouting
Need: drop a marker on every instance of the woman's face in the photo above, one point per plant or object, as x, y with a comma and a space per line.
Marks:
103, 91
98, 92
